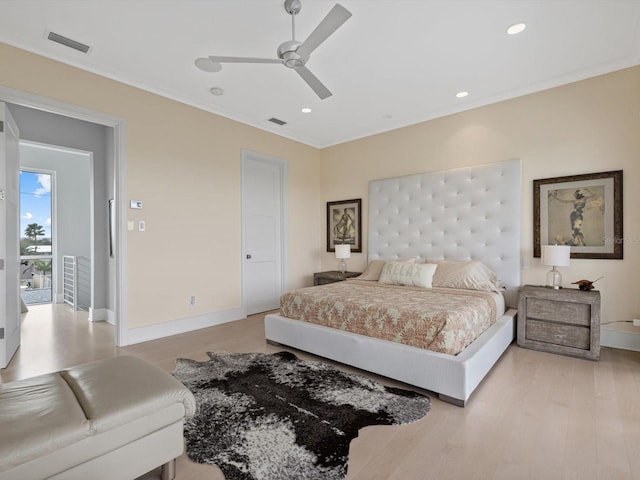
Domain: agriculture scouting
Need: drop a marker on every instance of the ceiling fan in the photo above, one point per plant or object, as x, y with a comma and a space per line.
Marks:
292, 53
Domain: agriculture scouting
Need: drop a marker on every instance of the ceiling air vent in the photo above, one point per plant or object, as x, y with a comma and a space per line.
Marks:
67, 42
277, 121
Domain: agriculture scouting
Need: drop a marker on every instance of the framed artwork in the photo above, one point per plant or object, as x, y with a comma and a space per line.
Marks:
344, 224
582, 211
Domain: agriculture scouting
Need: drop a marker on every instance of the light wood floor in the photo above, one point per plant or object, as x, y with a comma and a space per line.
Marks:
535, 416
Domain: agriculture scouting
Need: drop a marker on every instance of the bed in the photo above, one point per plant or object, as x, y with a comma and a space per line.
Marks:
467, 214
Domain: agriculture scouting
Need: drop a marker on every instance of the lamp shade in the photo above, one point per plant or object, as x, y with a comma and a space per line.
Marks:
556, 255
343, 251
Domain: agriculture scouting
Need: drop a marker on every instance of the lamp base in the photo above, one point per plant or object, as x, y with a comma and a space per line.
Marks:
342, 266
554, 279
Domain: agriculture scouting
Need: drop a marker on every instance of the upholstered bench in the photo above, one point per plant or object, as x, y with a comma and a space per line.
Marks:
111, 419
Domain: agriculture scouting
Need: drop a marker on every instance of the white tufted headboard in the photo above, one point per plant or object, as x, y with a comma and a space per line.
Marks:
460, 214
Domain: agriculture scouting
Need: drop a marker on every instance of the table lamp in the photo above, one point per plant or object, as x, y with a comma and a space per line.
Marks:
343, 251
555, 256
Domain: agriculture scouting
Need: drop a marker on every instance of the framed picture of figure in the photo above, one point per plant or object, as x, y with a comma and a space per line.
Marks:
344, 224
582, 211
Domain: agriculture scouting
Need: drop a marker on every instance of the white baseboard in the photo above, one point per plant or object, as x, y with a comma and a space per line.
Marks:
99, 315
620, 335
183, 325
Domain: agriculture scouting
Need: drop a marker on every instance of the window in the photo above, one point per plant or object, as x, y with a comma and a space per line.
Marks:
36, 239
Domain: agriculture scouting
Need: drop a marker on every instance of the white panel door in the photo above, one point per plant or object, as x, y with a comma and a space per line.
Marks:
9, 237
261, 233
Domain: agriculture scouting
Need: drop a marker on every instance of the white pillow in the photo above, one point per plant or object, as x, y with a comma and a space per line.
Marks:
374, 269
409, 274
469, 275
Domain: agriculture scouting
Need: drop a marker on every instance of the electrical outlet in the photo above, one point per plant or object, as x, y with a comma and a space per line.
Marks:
192, 301
142, 226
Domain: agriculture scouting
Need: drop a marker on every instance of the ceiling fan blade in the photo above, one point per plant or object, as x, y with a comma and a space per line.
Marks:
205, 64
334, 19
216, 59
315, 84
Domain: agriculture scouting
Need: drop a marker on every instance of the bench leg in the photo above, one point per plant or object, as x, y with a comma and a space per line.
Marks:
168, 470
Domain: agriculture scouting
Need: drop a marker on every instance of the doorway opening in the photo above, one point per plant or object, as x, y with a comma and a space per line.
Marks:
37, 236
42, 120
56, 224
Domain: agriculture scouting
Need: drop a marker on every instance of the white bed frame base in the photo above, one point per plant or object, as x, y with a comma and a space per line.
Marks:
454, 378
460, 214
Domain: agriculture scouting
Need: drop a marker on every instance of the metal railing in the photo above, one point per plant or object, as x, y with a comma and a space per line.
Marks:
70, 280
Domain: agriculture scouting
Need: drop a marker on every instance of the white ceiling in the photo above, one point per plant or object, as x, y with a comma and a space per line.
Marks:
393, 63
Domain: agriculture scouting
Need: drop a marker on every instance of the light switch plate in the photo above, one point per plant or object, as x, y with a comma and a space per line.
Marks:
130, 225
136, 204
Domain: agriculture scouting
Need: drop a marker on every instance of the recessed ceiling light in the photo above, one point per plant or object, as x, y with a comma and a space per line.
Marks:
516, 28
462, 94
306, 110
217, 91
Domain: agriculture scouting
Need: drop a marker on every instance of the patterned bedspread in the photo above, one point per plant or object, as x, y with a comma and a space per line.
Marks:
438, 319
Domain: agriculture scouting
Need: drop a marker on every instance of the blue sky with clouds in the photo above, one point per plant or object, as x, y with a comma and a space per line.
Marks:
35, 201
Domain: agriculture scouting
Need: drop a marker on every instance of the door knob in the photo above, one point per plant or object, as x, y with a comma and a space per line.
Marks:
248, 256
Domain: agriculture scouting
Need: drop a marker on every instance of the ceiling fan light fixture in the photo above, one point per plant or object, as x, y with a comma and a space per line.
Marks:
292, 61
516, 28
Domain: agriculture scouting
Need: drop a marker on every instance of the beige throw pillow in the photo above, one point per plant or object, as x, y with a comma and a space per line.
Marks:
409, 274
374, 269
470, 275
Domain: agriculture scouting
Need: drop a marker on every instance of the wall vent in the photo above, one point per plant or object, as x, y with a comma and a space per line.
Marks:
67, 42
277, 121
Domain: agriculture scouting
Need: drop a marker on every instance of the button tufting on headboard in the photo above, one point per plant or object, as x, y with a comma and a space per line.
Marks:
459, 214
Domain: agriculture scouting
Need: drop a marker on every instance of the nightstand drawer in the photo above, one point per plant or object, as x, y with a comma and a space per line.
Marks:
558, 334
564, 312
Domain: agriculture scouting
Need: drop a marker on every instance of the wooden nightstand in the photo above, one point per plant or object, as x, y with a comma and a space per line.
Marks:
322, 278
564, 321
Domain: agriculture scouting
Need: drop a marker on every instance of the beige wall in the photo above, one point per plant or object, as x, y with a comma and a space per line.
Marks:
185, 165
588, 126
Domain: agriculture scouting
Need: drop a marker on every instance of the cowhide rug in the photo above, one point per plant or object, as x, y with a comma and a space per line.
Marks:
263, 416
